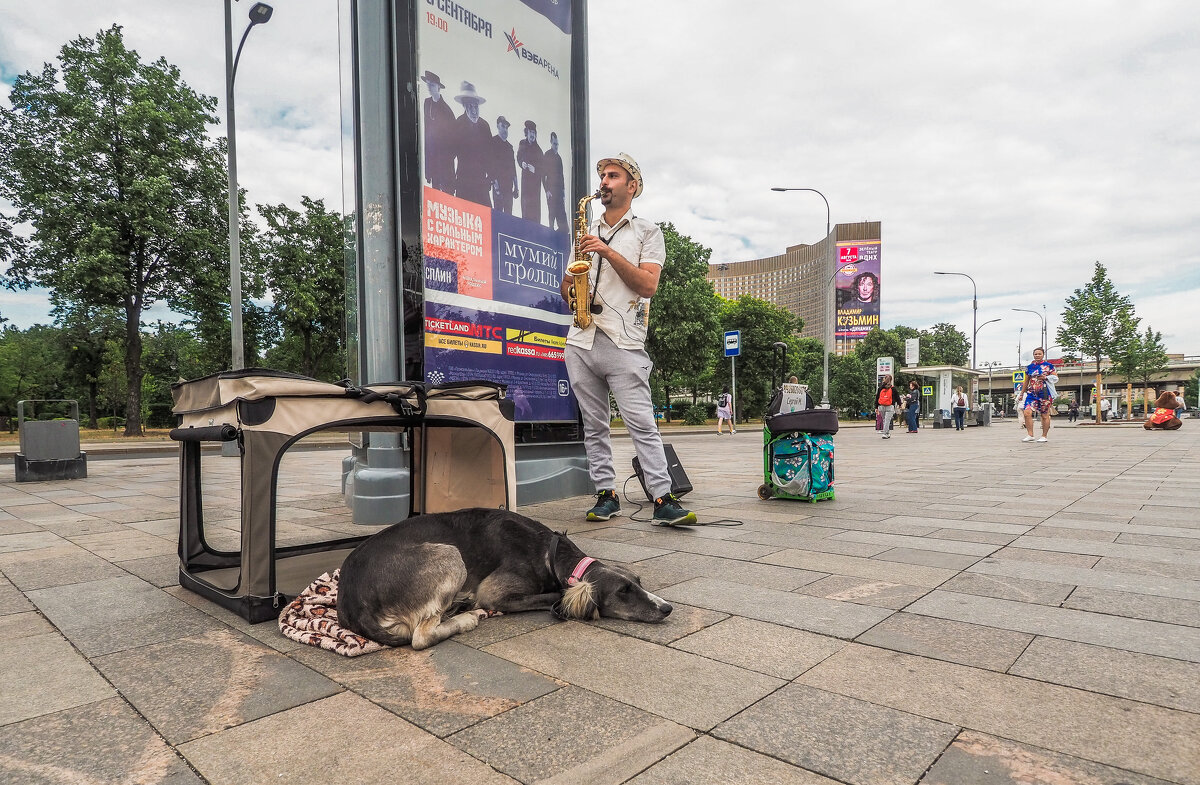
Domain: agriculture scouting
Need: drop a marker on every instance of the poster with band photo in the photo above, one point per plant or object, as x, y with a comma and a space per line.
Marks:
857, 288
495, 94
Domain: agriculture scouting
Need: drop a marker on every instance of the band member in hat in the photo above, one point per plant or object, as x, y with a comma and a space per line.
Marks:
472, 149
439, 127
529, 158
503, 169
555, 182
628, 253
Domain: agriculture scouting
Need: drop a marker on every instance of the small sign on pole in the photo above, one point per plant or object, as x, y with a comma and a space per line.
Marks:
733, 343
884, 366
912, 351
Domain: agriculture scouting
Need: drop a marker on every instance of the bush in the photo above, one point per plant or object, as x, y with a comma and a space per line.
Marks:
110, 423
695, 415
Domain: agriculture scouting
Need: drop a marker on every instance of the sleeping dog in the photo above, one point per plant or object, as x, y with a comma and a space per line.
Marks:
433, 576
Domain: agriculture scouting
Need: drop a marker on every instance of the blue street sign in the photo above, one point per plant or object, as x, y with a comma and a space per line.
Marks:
733, 343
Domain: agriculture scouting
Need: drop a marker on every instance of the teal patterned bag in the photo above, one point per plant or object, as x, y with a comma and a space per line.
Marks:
802, 464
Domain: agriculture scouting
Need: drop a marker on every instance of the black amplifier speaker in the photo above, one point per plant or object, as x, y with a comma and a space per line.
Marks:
680, 484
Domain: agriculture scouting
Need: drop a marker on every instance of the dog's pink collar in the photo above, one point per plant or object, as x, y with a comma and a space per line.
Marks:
577, 573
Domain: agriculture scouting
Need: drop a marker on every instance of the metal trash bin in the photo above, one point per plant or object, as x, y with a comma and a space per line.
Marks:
49, 449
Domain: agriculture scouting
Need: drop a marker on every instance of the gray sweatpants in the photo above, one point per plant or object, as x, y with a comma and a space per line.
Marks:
626, 372
887, 412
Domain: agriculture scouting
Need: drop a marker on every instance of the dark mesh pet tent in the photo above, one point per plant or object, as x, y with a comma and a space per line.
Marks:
461, 441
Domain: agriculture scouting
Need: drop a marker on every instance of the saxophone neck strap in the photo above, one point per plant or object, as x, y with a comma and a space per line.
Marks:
606, 241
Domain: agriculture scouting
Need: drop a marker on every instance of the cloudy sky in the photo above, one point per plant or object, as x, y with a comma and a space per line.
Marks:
1018, 142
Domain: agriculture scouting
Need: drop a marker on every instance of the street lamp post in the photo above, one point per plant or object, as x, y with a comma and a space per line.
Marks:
824, 293
974, 313
260, 13
1041, 316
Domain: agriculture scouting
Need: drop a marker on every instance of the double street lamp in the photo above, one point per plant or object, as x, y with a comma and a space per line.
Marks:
260, 13
828, 337
974, 313
1041, 316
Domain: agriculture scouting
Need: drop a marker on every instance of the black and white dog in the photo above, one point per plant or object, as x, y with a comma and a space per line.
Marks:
433, 576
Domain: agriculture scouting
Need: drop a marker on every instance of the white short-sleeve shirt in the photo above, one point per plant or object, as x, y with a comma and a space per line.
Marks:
625, 315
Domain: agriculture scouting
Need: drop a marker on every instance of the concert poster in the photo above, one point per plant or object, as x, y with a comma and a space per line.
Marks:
857, 288
496, 161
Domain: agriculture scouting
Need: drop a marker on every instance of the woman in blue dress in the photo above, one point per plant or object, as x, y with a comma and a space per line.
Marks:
1038, 395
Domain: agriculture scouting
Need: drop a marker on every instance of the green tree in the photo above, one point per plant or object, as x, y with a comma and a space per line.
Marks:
684, 337
1141, 358
851, 384
880, 343
31, 365
762, 324
111, 164
172, 352
945, 344
303, 267
85, 334
1191, 390
1097, 320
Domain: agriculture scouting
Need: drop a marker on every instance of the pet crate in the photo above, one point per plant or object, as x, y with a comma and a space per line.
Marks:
460, 438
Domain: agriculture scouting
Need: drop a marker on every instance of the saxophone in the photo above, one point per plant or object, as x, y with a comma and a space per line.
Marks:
580, 268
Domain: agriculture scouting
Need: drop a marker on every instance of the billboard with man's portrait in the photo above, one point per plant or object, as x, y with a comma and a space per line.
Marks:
857, 288
496, 158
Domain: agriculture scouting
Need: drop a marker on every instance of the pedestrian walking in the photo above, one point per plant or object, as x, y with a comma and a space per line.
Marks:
887, 398
1038, 396
1105, 406
725, 411
960, 409
1073, 411
912, 406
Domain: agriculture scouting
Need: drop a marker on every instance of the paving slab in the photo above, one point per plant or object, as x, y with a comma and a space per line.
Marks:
531, 743
815, 614
679, 686
894, 572
108, 743
1006, 588
1137, 606
1142, 677
114, 614
356, 738
927, 543
43, 674
950, 561
1148, 740
815, 729
1148, 637
882, 594
772, 649
709, 761
1157, 586
192, 687
981, 759
684, 620
953, 641
442, 689
674, 568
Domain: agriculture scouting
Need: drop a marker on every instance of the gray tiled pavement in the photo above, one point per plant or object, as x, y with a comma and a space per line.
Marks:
970, 609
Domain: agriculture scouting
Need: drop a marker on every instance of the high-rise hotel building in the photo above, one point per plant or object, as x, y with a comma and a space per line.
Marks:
801, 280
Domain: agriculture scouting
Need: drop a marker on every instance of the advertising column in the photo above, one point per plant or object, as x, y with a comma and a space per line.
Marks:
495, 84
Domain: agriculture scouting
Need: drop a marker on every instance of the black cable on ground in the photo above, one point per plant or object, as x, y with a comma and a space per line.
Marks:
639, 505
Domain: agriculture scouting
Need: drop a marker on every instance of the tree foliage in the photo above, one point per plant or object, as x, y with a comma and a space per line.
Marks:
1141, 357
1097, 320
684, 337
851, 384
301, 258
944, 344
110, 163
762, 324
